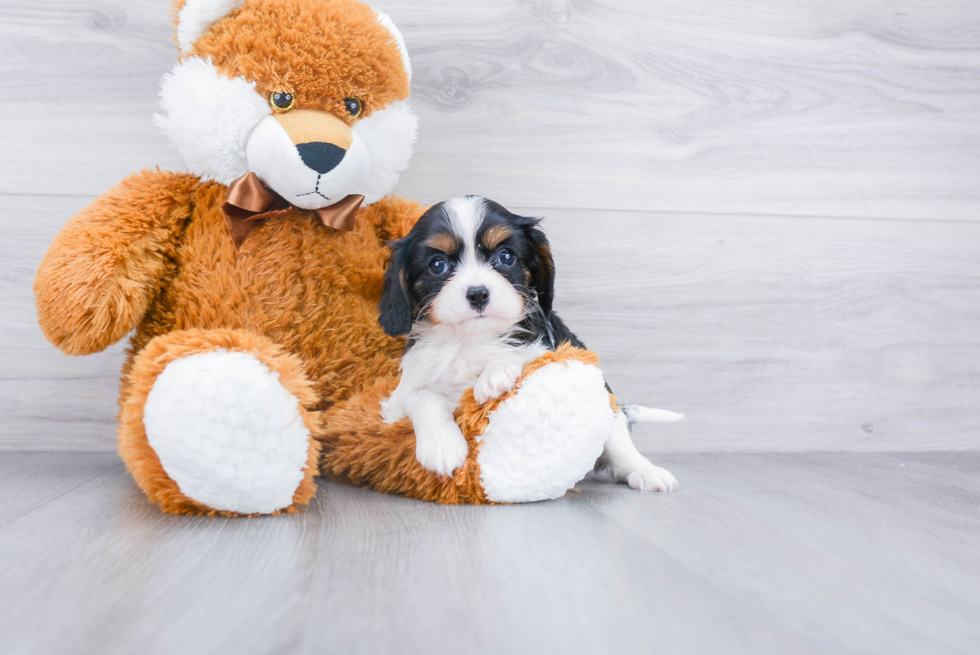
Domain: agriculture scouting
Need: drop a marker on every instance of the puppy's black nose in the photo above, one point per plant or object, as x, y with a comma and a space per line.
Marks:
321, 157
478, 297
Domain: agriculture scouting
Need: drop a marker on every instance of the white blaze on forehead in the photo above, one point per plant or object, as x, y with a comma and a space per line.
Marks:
197, 16
451, 307
466, 215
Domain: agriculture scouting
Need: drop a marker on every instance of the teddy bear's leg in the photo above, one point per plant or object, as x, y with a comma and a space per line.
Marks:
360, 448
215, 422
533, 443
538, 440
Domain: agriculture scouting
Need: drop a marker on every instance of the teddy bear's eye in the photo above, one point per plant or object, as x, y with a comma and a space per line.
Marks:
354, 106
281, 101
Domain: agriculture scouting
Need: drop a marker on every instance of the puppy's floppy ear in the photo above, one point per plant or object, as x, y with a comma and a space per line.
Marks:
542, 263
396, 303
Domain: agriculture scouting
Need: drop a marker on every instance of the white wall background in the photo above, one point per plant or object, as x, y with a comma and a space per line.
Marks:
764, 214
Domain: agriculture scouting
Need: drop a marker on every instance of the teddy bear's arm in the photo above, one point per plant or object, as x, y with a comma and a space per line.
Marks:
98, 277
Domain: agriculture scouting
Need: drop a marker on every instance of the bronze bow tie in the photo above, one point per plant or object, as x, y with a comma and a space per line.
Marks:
250, 204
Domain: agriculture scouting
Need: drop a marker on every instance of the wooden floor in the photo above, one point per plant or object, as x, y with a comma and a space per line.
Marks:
788, 553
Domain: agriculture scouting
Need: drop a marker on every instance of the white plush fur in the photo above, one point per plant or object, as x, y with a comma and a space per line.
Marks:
227, 432
396, 34
209, 118
273, 157
543, 440
197, 16
389, 135
223, 129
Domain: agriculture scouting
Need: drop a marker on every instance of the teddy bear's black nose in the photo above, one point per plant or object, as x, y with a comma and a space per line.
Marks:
321, 157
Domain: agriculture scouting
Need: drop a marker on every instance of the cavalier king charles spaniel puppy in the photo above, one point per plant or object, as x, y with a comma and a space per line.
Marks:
472, 286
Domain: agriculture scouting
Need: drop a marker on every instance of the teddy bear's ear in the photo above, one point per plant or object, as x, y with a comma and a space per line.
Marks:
389, 25
196, 16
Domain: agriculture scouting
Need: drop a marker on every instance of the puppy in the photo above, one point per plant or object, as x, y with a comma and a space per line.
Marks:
472, 286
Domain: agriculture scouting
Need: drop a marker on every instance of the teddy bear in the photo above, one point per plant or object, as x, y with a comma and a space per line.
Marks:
250, 283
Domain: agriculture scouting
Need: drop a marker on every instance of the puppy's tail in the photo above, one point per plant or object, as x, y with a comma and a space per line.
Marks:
641, 414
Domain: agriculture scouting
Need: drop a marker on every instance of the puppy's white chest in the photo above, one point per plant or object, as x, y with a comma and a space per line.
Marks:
458, 365
446, 367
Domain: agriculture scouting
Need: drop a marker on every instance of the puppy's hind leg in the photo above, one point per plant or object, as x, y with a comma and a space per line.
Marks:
622, 462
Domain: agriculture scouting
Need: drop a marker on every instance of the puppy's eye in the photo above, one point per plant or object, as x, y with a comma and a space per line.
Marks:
281, 101
354, 106
505, 256
439, 266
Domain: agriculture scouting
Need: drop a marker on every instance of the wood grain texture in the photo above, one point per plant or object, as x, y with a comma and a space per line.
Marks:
795, 107
775, 333
830, 553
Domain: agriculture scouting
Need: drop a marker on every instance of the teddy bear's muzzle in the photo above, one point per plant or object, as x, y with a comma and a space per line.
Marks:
309, 157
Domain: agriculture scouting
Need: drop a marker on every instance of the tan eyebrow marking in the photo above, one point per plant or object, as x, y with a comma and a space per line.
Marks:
443, 241
494, 235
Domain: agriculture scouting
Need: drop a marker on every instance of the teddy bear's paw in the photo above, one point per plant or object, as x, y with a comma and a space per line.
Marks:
496, 380
227, 432
651, 478
545, 438
441, 447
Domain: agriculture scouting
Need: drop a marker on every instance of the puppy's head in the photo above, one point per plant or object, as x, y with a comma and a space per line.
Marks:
468, 266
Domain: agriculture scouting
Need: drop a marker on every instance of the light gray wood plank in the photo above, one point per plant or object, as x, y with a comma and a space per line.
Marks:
48, 400
797, 107
771, 334
828, 553
31, 480
777, 333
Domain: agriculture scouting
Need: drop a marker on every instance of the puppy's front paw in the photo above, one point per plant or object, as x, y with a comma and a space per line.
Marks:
496, 380
442, 449
652, 478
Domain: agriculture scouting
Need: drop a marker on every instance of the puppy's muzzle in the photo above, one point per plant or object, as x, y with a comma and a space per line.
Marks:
321, 139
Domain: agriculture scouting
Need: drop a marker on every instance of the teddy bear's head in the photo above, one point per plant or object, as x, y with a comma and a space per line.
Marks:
309, 95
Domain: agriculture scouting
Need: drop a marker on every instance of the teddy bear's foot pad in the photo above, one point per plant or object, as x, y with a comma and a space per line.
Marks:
544, 439
227, 432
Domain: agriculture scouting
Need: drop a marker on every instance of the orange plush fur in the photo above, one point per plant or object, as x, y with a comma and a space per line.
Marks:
274, 46
142, 460
359, 448
153, 256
